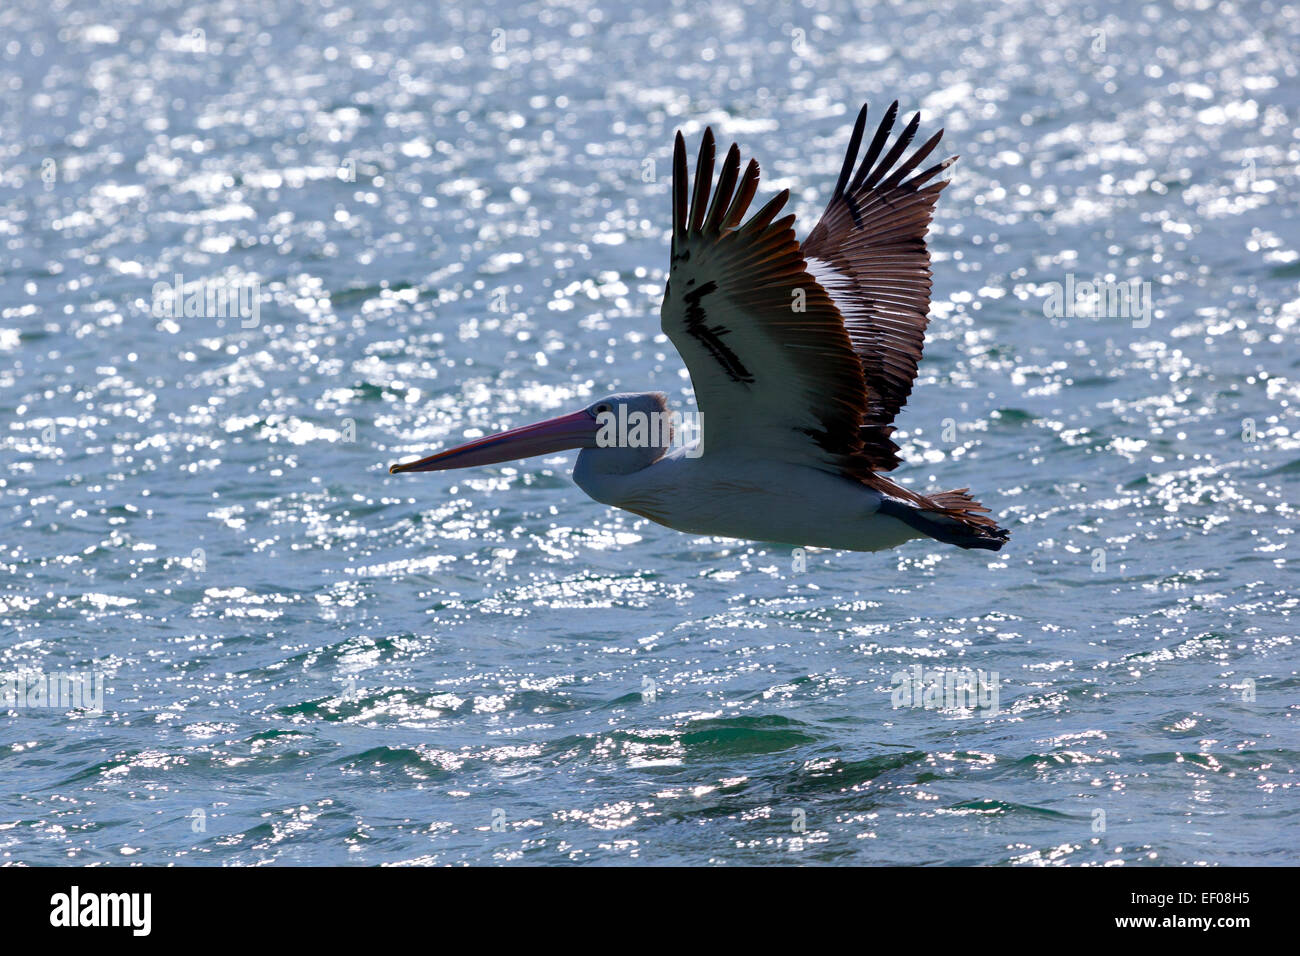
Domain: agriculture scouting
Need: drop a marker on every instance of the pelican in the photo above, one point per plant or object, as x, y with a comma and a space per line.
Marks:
800, 355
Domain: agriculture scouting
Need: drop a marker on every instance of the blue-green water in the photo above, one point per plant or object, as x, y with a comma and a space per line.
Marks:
456, 217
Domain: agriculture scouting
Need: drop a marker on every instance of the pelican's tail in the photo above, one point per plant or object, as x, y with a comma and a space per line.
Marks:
953, 517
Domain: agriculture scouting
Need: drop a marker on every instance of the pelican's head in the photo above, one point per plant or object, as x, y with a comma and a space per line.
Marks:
636, 424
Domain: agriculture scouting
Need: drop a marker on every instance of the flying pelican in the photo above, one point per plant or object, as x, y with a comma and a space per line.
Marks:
800, 355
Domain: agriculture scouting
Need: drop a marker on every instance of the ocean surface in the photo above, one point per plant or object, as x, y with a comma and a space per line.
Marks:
453, 218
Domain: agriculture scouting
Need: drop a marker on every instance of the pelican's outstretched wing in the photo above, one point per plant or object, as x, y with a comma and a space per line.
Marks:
772, 366
868, 250
777, 369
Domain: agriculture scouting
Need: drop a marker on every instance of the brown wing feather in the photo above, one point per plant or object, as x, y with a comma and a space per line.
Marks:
770, 360
872, 235
821, 385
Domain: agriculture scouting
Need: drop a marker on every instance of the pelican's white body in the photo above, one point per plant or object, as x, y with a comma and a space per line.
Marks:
757, 499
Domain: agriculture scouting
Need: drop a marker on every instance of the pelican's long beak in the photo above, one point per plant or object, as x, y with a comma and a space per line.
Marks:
542, 438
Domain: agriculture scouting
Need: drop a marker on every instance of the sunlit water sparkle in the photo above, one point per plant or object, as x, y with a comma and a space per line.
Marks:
311, 661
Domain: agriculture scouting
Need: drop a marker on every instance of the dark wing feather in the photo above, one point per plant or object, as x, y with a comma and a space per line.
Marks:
869, 250
817, 385
772, 366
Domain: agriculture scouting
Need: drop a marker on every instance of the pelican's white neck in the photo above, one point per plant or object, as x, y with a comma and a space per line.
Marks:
602, 472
